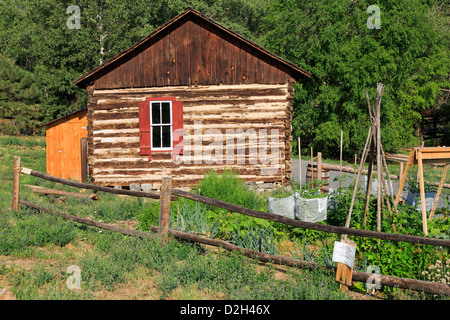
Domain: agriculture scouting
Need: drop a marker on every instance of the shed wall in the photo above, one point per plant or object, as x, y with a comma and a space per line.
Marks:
63, 149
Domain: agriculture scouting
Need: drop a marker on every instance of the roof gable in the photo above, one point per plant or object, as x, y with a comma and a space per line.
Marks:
191, 49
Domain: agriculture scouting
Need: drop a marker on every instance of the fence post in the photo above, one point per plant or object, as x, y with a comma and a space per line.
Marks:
164, 207
16, 183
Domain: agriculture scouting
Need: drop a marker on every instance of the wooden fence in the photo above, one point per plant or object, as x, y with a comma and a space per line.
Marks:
168, 194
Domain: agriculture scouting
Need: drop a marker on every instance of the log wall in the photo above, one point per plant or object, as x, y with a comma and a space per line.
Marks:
113, 133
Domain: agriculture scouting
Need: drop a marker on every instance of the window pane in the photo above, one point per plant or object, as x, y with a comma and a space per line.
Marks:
156, 136
167, 137
165, 110
156, 113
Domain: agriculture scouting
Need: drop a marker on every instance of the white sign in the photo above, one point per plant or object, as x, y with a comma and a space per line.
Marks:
344, 253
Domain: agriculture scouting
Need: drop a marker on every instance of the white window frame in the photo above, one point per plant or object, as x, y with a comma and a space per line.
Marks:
161, 125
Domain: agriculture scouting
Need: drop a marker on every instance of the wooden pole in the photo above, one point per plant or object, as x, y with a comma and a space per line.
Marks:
379, 164
422, 193
319, 169
300, 163
438, 193
16, 183
405, 174
152, 195
258, 214
84, 163
400, 175
340, 162
164, 207
368, 187
389, 187
42, 190
355, 188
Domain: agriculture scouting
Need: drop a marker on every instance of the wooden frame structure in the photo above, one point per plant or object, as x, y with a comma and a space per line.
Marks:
421, 156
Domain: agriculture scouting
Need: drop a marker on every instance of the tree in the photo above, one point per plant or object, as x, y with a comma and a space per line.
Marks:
330, 38
19, 99
35, 35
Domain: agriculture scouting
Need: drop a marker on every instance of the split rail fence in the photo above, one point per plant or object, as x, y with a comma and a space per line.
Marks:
167, 194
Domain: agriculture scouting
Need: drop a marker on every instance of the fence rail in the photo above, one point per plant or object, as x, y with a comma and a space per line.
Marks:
168, 194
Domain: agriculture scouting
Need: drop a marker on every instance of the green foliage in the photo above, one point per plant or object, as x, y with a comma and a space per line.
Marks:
281, 192
256, 239
28, 231
302, 251
36, 37
413, 186
402, 259
194, 216
339, 206
43, 283
228, 187
311, 190
330, 39
19, 97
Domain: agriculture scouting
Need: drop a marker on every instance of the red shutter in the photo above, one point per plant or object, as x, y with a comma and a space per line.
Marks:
177, 128
144, 128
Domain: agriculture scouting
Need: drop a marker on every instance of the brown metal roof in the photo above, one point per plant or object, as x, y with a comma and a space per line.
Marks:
84, 79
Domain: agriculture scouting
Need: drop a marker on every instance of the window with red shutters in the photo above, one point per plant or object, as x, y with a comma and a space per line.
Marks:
161, 126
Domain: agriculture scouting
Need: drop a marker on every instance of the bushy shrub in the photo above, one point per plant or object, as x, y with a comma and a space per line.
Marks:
228, 187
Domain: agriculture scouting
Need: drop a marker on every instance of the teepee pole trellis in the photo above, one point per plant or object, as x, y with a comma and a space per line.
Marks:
373, 149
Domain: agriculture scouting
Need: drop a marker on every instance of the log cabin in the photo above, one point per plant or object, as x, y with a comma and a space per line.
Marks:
191, 97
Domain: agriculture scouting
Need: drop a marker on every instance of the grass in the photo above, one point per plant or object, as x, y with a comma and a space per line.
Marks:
37, 248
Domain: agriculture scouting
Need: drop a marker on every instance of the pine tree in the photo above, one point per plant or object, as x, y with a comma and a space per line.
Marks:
19, 98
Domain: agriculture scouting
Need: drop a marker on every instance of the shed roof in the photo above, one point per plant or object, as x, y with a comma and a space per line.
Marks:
189, 13
65, 116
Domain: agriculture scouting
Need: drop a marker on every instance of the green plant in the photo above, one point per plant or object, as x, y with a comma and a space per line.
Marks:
302, 251
438, 272
228, 187
281, 192
310, 190
194, 216
255, 238
20, 232
413, 186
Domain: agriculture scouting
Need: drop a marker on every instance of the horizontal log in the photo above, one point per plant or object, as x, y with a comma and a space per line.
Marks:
38, 189
412, 284
236, 92
310, 225
72, 183
89, 222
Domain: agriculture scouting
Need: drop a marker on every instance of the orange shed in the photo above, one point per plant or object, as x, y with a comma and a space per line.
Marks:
67, 146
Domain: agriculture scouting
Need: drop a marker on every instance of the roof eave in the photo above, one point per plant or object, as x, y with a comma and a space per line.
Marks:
82, 80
